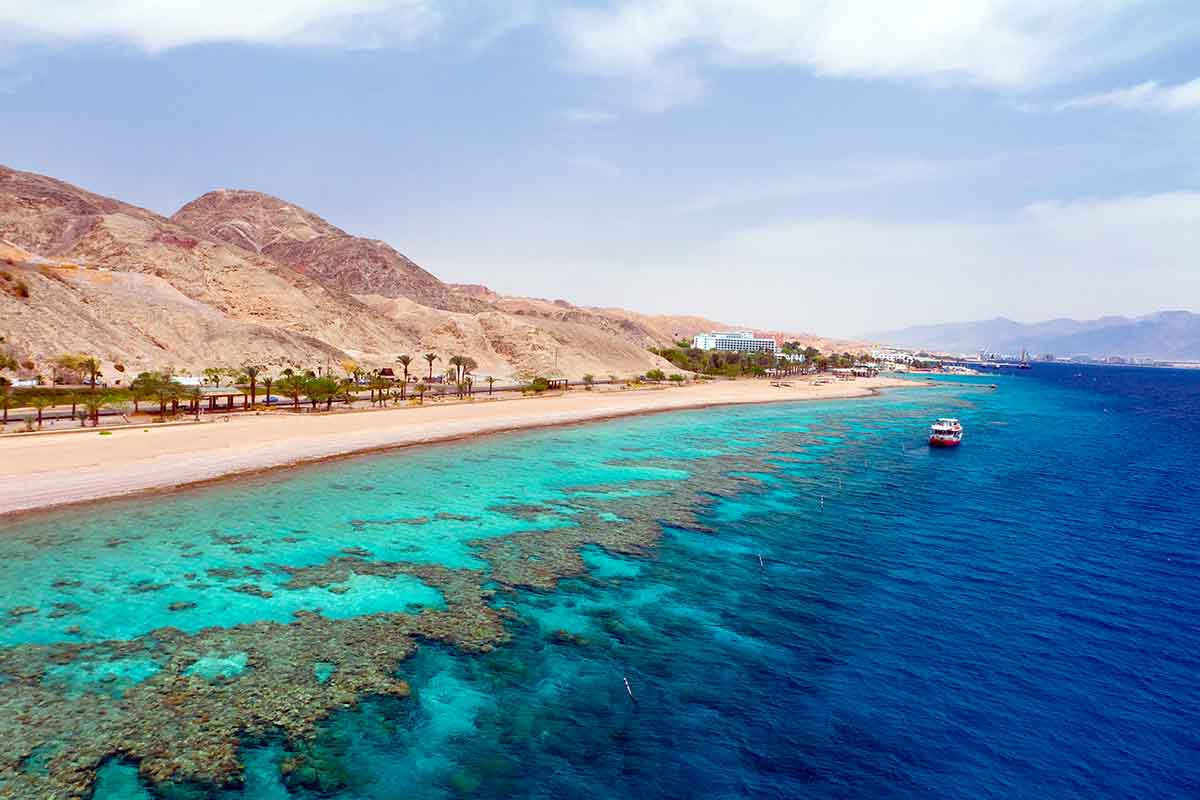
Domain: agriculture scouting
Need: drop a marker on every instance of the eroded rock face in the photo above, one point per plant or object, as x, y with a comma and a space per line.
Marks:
129, 285
300, 239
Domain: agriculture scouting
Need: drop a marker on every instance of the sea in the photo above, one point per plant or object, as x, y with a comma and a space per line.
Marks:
792, 600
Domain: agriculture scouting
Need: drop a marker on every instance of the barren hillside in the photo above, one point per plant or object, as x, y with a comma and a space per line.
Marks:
242, 277
303, 241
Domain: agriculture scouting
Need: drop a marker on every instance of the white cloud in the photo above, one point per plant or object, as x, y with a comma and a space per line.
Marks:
587, 116
857, 178
157, 25
847, 275
666, 47
1148, 96
1130, 254
593, 164
1007, 44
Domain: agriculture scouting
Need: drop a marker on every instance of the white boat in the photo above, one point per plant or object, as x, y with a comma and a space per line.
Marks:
946, 432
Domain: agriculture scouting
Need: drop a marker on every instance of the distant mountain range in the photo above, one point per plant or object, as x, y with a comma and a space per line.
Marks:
1167, 335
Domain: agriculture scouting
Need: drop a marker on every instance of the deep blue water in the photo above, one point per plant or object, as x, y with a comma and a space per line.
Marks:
1019, 617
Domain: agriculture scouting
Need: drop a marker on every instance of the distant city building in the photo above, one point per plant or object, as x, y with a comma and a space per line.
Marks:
892, 355
734, 342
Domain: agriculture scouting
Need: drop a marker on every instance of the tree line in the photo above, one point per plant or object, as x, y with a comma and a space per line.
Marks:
320, 386
721, 363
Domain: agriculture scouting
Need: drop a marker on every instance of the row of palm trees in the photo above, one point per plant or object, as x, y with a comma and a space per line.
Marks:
82, 364
322, 385
316, 387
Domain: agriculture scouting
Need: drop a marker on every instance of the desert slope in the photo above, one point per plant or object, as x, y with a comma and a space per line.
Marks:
241, 277
300, 239
68, 226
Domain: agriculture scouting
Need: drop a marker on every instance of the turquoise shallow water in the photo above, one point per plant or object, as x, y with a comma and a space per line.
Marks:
832, 609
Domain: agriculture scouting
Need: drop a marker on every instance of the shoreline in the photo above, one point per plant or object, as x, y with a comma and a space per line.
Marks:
45, 473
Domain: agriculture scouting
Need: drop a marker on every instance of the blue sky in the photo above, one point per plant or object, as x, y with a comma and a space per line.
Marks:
836, 167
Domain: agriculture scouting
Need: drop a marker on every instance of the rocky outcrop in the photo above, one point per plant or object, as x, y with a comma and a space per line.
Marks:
303, 241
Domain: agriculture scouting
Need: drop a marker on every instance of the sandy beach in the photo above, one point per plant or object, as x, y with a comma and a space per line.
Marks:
42, 471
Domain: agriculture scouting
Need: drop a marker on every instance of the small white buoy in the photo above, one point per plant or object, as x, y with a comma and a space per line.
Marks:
631, 697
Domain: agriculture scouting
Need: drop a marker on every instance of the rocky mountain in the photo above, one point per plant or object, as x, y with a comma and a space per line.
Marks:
241, 276
1167, 335
108, 275
308, 244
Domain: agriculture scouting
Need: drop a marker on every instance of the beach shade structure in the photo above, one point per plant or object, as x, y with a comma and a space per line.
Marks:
222, 398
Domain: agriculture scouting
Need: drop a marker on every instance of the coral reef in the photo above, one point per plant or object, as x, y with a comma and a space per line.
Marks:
179, 703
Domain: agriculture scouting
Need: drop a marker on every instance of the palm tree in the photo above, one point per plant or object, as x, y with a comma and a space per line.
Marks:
457, 363
588, 380
195, 394
90, 366
404, 361
74, 399
95, 403
448, 378
160, 387
291, 386
378, 388
66, 361
40, 402
7, 363
140, 388
321, 390
5, 398
490, 381
468, 365
421, 389
430, 357
345, 390
267, 381
252, 371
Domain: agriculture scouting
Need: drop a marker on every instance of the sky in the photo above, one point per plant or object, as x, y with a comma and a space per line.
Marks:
833, 166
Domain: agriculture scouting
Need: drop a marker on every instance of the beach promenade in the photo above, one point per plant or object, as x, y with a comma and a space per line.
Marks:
41, 471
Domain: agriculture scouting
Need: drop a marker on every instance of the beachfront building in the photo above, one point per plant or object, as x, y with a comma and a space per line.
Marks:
734, 342
892, 355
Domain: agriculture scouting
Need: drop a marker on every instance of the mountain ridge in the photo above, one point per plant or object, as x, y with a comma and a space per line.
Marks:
306, 242
85, 272
1164, 335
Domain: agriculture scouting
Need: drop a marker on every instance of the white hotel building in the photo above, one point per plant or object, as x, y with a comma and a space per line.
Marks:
734, 342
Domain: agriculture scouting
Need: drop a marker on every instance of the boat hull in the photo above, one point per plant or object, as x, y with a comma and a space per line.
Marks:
936, 442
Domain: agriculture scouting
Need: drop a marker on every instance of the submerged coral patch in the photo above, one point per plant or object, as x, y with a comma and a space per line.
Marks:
218, 666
